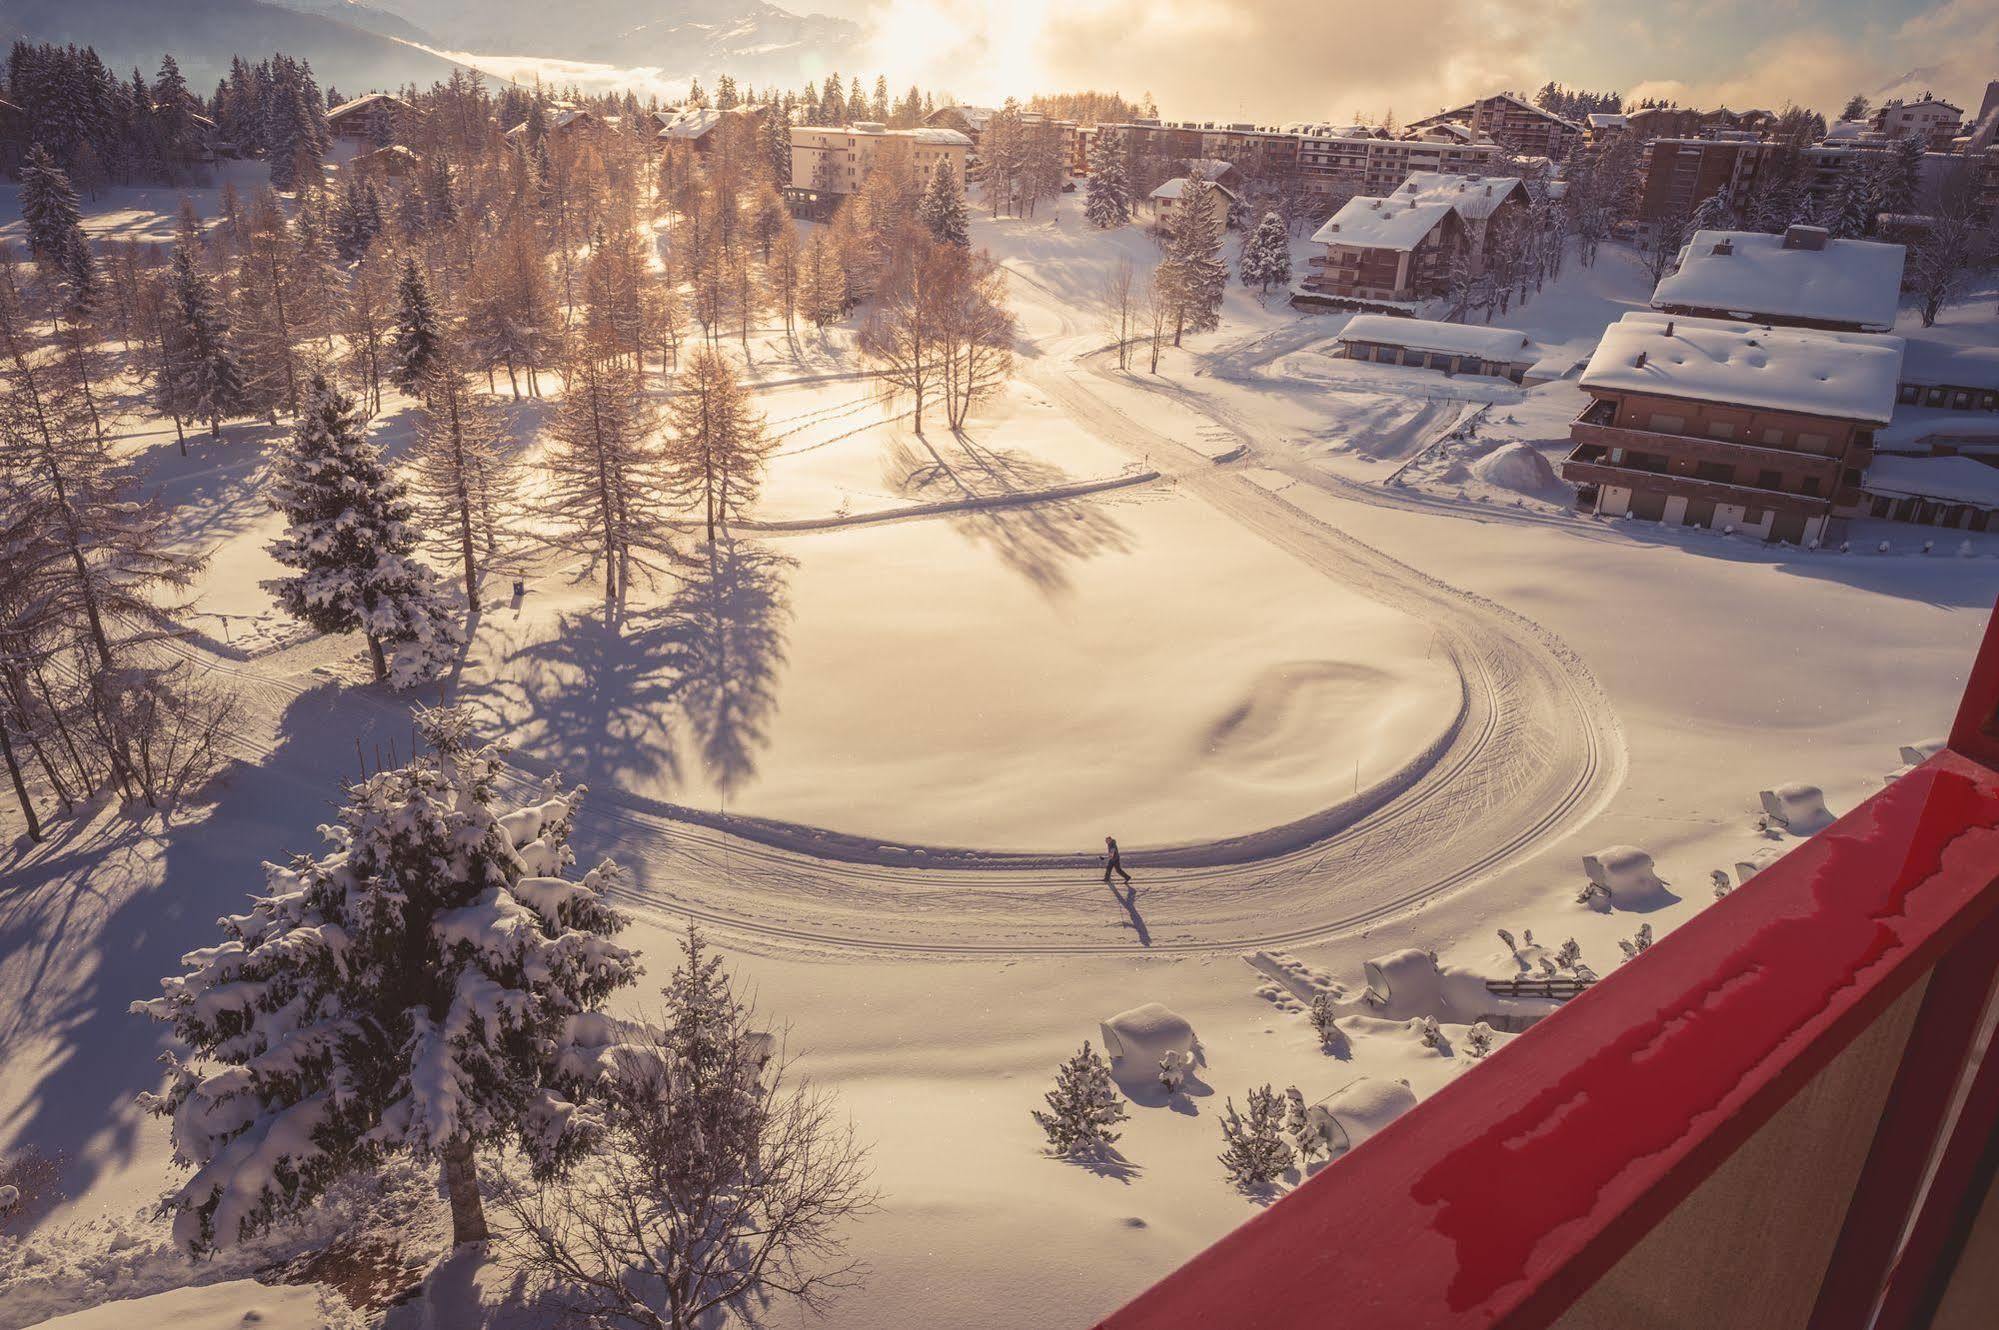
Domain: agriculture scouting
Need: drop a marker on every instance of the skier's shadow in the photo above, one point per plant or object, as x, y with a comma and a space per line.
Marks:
1128, 898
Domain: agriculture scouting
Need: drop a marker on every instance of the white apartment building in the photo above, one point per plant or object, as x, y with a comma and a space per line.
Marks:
1334, 160
835, 159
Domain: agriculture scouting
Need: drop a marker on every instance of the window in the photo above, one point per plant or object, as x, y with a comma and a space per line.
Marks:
1665, 424
1811, 485
1815, 443
1770, 480
1721, 429
1716, 471
1773, 438
1752, 517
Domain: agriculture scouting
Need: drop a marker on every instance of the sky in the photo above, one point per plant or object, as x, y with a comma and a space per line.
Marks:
1278, 60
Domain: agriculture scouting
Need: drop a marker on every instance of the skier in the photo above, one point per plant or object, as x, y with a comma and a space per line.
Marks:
1114, 863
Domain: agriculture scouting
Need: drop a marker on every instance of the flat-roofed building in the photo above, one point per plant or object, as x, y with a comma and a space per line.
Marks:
1936, 121
835, 159
1450, 348
1676, 174
1719, 423
1802, 279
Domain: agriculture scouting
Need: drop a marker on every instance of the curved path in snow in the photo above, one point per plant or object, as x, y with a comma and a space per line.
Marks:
1534, 753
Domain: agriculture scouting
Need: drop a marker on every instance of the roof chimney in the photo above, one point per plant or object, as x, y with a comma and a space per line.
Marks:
1806, 237
1669, 327
1640, 362
1723, 247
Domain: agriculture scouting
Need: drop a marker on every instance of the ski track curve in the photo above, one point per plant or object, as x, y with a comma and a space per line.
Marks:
1535, 752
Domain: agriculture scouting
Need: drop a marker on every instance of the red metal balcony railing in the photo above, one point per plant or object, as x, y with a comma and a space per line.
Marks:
1785, 1114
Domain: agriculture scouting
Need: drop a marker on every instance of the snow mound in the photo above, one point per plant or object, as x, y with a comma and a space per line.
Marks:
1406, 980
1140, 1037
1625, 872
1347, 1117
1799, 808
226, 1306
1755, 862
1519, 467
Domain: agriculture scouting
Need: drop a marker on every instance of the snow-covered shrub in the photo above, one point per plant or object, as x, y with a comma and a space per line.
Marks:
427, 985
1478, 1039
1172, 1070
1641, 941
1082, 1108
1254, 1151
1324, 1015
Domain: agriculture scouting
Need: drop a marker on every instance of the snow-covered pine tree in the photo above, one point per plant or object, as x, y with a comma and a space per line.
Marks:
775, 130
1901, 176
418, 338
199, 376
49, 209
1324, 1015
1107, 191
351, 537
1082, 1108
1266, 255
1478, 1039
1715, 213
427, 986
1254, 1151
1200, 274
1849, 209
942, 210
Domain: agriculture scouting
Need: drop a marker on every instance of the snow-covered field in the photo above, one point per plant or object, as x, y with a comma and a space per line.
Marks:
1367, 686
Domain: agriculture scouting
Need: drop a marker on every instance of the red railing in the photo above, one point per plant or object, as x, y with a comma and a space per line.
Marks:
1519, 1189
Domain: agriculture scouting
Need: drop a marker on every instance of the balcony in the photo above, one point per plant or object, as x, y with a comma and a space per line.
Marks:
1589, 464
1592, 426
1785, 1114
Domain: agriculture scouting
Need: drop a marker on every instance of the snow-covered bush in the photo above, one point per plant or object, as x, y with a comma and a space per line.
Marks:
1254, 1151
1641, 941
426, 986
1324, 1015
1082, 1108
1172, 1071
1478, 1039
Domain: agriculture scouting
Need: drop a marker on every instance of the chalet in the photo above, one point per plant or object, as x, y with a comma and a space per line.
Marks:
391, 163
570, 125
1932, 119
1514, 121
1717, 423
377, 119
1452, 348
1398, 250
1801, 279
1166, 203
697, 125
833, 160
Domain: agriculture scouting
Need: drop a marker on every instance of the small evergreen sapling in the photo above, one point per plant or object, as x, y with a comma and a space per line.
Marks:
1082, 1108
1172, 1071
1254, 1151
1638, 943
1324, 1017
1478, 1039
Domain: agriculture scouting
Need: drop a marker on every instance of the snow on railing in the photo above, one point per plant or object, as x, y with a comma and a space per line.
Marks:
1629, 1152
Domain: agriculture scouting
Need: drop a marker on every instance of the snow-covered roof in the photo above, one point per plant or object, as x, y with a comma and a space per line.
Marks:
1606, 120
1505, 345
368, 100
933, 134
1177, 186
689, 123
1753, 275
1951, 479
1209, 167
1959, 366
1419, 203
1839, 375
1369, 223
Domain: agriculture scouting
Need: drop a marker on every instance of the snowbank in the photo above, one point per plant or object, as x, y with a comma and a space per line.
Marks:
1625, 872
227, 1306
1519, 467
1800, 808
1406, 980
1139, 1038
1347, 1117
1755, 862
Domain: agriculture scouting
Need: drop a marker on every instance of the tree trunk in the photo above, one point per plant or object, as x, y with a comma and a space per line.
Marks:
20, 785
461, 1185
377, 659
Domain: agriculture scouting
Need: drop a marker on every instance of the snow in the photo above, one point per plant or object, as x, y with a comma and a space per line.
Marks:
1753, 275
1136, 1040
227, 1306
1361, 1109
1949, 479
1177, 186
1837, 375
1799, 807
1501, 345
1929, 362
1519, 467
1376, 223
1626, 872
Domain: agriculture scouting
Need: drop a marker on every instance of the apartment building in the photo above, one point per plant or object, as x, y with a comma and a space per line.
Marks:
1397, 251
1801, 279
1936, 120
377, 119
1527, 129
1718, 423
1334, 162
971, 121
835, 159
1676, 174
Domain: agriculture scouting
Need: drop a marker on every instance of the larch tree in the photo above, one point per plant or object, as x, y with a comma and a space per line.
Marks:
1120, 309
782, 277
429, 985
900, 336
271, 291
351, 537
942, 211
460, 478
718, 440
604, 475
510, 317
975, 333
1107, 191
365, 320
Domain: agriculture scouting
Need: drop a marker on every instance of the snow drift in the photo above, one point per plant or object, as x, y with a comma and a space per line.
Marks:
1349, 1116
1625, 873
1799, 808
1519, 467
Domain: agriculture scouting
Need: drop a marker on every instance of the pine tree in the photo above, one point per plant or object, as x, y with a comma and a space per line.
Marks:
351, 537
1849, 211
49, 209
428, 986
1714, 213
1325, 1018
418, 338
1254, 1151
1082, 1108
1107, 192
943, 209
775, 129
1194, 251
199, 376
1266, 255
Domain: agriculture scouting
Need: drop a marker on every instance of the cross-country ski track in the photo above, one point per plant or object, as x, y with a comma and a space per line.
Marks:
1534, 753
